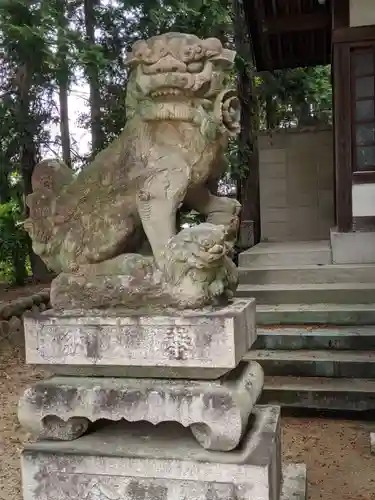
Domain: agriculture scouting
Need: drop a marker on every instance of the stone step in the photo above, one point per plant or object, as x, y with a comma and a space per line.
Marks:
315, 363
334, 293
287, 254
355, 338
320, 393
333, 273
316, 314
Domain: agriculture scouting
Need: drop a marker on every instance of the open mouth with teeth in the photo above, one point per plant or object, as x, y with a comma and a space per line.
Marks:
168, 92
174, 83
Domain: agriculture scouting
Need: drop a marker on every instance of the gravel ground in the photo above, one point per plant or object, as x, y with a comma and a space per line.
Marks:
336, 451
14, 378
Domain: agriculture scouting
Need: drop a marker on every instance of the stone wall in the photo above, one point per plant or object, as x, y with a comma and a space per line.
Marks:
11, 314
297, 184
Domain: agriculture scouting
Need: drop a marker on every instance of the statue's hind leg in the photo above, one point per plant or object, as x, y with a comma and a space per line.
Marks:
157, 203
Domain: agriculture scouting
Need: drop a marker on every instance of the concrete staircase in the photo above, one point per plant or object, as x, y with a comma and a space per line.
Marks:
316, 326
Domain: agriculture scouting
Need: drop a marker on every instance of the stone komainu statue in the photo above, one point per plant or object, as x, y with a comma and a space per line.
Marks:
97, 224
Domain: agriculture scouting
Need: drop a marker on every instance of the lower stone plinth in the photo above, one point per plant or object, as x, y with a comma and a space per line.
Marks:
132, 461
217, 412
185, 344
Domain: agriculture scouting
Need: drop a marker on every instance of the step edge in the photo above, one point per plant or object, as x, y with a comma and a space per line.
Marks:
331, 384
316, 307
307, 267
318, 332
309, 355
291, 287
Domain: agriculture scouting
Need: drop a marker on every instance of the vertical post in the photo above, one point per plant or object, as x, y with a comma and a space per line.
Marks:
342, 130
248, 140
340, 14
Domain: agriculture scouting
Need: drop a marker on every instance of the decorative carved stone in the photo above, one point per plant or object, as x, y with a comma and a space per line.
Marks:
216, 411
51, 427
126, 461
196, 271
180, 115
194, 345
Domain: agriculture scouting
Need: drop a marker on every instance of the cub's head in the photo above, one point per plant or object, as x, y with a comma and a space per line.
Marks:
201, 247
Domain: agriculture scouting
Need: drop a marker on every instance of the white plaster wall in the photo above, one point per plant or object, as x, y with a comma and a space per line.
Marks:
362, 12
363, 199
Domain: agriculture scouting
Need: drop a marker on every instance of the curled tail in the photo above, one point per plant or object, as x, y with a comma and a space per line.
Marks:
48, 179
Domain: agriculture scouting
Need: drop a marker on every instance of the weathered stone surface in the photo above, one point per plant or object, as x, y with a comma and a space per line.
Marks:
11, 313
372, 443
116, 343
4, 329
128, 462
16, 334
196, 271
216, 411
180, 115
50, 427
294, 485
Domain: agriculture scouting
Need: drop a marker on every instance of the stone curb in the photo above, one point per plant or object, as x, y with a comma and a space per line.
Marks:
11, 314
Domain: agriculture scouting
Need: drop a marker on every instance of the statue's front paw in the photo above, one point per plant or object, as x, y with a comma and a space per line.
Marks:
217, 288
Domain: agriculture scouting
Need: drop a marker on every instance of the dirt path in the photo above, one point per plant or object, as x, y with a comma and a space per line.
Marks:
337, 452
14, 378
337, 455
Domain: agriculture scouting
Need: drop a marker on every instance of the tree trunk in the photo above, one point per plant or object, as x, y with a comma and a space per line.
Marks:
93, 78
28, 160
248, 139
271, 104
63, 81
270, 113
64, 122
4, 183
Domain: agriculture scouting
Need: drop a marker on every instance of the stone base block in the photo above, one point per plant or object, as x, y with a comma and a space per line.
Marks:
216, 411
372, 443
294, 485
357, 247
192, 345
133, 461
246, 234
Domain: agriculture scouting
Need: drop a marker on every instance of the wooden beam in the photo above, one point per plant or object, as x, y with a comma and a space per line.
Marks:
260, 15
364, 223
248, 138
300, 22
340, 14
343, 138
298, 62
353, 35
254, 23
364, 177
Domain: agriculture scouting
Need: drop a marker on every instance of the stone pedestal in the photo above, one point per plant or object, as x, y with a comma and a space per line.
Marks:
216, 411
132, 461
189, 345
150, 407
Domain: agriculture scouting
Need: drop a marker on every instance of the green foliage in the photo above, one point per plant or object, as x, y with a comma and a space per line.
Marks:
14, 244
295, 96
